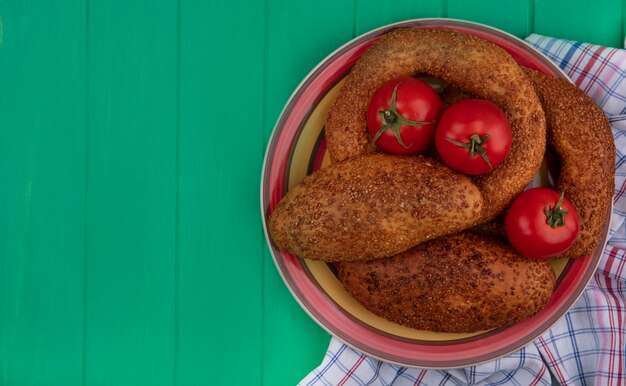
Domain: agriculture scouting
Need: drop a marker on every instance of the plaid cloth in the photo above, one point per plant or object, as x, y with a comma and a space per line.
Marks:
588, 345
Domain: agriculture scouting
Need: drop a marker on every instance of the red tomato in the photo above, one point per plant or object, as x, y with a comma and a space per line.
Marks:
402, 114
541, 223
473, 136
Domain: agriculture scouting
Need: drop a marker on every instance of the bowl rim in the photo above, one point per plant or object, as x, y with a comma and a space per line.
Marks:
368, 36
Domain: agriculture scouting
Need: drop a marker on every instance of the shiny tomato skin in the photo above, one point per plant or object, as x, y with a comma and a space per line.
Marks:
462, 120
527, 230
416, 101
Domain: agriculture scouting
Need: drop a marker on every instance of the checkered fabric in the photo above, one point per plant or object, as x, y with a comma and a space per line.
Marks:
588, 345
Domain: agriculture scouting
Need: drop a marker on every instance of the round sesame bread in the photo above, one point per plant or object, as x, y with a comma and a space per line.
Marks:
580, 134
475, 66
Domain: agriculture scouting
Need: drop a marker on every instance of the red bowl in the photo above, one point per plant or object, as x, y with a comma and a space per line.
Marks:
297, 148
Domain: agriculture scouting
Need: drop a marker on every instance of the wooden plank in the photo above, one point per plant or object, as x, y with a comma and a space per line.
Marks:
300, 34
598, 22
131, 193
515, 19
623, 34
42, 169
221, 149
371, 14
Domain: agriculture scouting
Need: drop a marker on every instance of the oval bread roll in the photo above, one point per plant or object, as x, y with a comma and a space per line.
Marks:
373, 206
459, 283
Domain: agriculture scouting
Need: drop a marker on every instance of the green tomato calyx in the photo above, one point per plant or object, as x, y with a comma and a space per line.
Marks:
392, 120
474, 146
555, 217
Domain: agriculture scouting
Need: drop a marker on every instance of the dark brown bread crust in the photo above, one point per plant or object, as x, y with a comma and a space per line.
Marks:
472, 64
460, 283
581, 136
373, 206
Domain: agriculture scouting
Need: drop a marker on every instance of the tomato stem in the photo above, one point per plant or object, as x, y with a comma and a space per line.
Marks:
555, 217
474, 146
392, 120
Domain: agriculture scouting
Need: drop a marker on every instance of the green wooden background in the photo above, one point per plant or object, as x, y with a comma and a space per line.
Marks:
131, 140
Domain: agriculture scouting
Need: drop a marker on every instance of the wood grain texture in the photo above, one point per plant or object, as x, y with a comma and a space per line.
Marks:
300, 34
131, 249
131, 193
42, 169
623, 34
370, 14
221, 149
514, 18
598, 22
